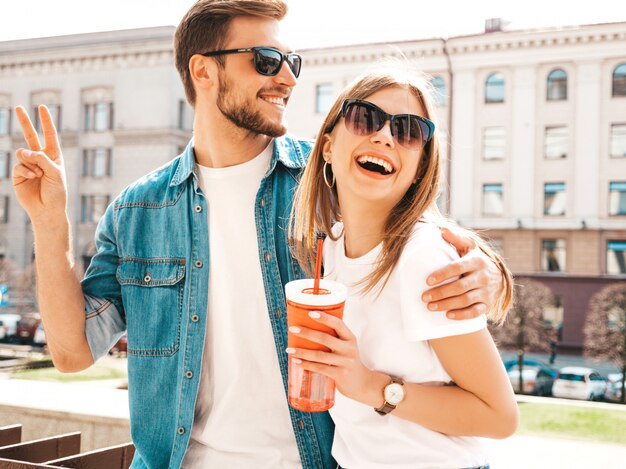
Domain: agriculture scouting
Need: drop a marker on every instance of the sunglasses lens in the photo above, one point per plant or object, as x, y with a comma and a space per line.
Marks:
409, 132
295, 64
267, 61
361, 119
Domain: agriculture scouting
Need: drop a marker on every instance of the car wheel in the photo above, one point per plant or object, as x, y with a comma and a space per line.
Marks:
591, 397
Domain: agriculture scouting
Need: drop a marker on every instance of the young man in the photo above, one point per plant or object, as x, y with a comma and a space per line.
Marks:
192, 260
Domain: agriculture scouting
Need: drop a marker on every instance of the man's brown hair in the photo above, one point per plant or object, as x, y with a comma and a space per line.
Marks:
205, 28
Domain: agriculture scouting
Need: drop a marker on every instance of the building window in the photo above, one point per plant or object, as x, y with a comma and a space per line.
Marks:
616, 257
619, 80
185, 115
555, 143
494, 143
554, 198
5, 121
440, 95
557, 85
97, 162
99, 116
4, 209
553, 255
618, 140
55, 112
323, 97
494, 88
93, 207
5, 165
617, 198
492, 199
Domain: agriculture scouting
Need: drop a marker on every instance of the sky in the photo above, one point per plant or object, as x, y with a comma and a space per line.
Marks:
312, 23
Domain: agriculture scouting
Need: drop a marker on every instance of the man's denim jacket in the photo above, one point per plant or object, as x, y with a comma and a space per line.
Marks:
150, 276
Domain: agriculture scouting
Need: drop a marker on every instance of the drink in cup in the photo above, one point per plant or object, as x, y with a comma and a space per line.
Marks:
309, 391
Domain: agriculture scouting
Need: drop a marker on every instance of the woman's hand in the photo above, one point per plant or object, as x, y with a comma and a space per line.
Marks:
342, 364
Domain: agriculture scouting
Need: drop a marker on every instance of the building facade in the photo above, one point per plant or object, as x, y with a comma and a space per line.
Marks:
533, 126
120, 110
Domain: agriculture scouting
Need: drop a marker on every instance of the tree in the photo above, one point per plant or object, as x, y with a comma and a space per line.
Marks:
605, 328
524, 329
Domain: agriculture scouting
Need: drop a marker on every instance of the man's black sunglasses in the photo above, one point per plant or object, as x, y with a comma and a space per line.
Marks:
267, 60
364, 118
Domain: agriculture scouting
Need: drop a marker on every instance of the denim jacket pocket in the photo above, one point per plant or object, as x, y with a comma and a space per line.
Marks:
152, 294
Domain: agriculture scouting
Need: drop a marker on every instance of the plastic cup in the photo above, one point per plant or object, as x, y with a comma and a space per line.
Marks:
308, 391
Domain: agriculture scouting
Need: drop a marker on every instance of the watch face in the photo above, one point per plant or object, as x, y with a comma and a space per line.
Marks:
394, 393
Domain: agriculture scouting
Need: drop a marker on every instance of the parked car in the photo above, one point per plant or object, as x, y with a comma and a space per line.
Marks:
27, 327
614, 388
529, 362
576, 382
10, 321
536, 380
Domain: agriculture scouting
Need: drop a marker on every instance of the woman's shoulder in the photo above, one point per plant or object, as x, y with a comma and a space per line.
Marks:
426, 243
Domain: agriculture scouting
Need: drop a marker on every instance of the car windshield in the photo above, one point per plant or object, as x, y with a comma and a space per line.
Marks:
571, 377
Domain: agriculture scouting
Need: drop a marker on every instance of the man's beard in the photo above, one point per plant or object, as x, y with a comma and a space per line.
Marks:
243, 115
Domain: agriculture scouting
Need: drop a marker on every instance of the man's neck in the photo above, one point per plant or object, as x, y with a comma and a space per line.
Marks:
218, 143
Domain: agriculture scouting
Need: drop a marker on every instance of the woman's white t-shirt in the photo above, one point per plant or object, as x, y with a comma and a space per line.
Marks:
392, 331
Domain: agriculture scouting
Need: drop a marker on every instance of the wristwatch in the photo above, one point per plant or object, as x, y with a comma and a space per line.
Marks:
393, 394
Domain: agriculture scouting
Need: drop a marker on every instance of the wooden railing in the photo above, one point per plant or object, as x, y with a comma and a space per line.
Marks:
57, 452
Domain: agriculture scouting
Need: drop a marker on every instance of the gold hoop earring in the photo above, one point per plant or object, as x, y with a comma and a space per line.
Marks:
330, 186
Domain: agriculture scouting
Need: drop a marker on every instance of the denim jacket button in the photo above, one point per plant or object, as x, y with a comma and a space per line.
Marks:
147, 278
195, 318
189, 374
262, 203
181, 430
198, 208
267, 256
198, 264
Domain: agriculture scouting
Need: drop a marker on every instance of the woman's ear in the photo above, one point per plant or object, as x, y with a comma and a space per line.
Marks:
203, 71
327, 144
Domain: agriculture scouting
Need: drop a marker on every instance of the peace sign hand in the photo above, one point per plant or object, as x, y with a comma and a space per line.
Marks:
39, 176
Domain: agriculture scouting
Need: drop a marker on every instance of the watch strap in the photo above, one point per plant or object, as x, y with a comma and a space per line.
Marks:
387, 407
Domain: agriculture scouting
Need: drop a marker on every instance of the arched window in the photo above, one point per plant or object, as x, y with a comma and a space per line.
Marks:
494, 88
557, 85
619, 80
440, 95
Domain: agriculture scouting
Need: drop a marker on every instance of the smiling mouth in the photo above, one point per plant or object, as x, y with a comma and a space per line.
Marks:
275, 100
375, 165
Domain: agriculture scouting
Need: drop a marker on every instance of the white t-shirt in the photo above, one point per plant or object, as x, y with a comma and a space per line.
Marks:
241, 416
392, 332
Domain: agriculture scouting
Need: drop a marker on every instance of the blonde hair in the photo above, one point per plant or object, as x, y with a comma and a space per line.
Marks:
316, 207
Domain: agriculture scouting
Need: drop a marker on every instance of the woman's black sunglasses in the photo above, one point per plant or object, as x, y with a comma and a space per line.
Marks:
364, 118
267, 60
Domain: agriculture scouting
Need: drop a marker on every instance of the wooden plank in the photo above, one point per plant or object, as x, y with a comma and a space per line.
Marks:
9, 464
114, 457
10, 435
45, 449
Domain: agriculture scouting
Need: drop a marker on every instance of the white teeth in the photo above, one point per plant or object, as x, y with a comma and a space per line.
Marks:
378, 161
273, 100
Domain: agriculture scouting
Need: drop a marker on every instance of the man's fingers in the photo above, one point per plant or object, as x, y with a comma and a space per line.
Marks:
467, 313
21, 171
38, 159
456, 268
50, 135
30, 135
463, 300
26, 161
461, 243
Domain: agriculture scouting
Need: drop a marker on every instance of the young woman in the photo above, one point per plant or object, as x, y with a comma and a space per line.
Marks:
413, 387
